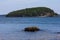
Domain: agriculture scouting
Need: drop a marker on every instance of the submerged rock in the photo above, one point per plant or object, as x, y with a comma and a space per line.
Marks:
58, 32
31, 29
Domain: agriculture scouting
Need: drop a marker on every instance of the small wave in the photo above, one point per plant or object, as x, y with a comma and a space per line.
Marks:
26, 23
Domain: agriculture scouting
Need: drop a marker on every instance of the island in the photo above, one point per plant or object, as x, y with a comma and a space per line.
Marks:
33, 12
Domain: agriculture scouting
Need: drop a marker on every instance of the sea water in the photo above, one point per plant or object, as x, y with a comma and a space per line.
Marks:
11, 28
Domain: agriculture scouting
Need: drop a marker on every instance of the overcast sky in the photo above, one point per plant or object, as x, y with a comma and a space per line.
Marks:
7, 6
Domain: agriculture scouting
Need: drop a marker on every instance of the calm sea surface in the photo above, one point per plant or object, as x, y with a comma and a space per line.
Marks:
11, 28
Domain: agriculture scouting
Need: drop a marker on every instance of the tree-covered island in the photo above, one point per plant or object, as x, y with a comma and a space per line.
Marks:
33, 12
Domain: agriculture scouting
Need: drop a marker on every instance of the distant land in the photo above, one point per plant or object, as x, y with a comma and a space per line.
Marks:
33, 12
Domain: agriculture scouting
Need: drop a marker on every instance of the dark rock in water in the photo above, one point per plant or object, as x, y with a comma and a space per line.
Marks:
31, 29
58, 32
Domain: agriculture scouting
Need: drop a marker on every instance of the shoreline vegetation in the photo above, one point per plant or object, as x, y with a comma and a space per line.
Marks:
33, 12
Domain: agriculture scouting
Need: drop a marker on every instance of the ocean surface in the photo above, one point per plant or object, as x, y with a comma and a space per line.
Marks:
11, 28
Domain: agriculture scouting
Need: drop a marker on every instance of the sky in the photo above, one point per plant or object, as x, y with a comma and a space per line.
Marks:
7, 6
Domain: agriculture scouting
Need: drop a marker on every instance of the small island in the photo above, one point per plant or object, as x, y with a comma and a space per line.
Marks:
33, 12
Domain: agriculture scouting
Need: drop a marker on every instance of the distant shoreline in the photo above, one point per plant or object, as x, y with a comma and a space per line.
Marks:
33, 12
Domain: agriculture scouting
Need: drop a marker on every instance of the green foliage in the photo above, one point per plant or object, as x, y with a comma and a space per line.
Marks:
32, 12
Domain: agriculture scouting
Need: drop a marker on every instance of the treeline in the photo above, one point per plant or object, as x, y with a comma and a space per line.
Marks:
32, 12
